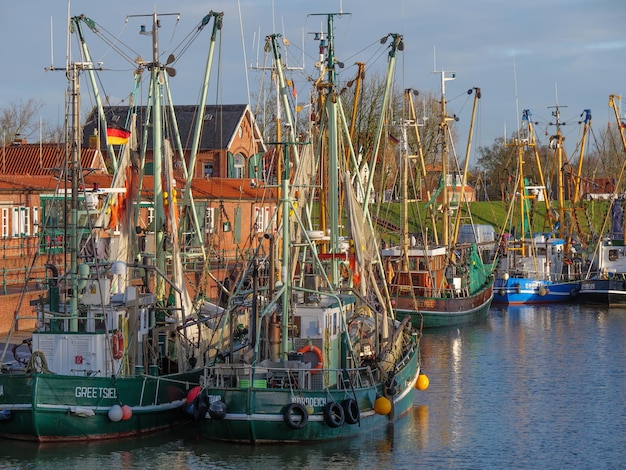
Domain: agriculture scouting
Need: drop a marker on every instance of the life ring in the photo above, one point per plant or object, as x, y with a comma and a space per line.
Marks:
318, 352
117, 341
351, 410
333, 414
295, 416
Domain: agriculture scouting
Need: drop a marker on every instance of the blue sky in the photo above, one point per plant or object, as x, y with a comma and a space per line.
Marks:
521, 54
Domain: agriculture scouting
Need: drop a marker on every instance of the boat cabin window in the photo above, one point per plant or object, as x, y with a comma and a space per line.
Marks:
613, 255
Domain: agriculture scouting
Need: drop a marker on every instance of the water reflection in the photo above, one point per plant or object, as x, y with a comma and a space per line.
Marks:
534, 378
529, 387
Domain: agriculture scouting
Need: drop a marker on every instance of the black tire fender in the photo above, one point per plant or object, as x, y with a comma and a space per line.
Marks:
295, 416
351, 411
333, 414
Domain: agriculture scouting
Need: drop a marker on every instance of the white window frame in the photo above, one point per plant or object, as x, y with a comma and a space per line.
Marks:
210, 219
35, 220
259, 223
239, 164
25, 215
150, 216
5, 222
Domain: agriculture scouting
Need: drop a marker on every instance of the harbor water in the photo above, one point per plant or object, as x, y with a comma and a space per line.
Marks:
529, 387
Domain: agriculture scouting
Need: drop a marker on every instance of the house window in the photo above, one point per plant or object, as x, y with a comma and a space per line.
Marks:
151, 217
207, 171
259, 222
20, 222
35, 219
239, 165
25, 216
210, 220
262, 219
5, 222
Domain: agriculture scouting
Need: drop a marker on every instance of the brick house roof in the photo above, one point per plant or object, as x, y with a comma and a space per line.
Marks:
220, 124
44, 159
211, 189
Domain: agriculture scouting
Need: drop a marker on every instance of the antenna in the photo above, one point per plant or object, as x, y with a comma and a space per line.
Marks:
516, 97
68, 45
51, 43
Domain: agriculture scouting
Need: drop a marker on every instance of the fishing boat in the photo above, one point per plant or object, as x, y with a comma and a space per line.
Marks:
442, 283
605, 277
544, 267
323, 357
109, 357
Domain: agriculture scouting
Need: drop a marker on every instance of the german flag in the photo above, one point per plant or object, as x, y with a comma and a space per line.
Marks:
117, 136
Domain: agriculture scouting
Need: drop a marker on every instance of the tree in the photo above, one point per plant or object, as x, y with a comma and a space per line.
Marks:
497, 163
19, 120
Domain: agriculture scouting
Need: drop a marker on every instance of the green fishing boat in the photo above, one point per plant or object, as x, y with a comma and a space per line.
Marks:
110, 356
322, 356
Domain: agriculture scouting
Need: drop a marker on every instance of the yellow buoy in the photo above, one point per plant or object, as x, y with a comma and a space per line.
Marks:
422, 382
309, 409
382, 406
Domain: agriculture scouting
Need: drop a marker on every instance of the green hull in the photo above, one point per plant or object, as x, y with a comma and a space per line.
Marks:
48, 407
257, 414
441, 312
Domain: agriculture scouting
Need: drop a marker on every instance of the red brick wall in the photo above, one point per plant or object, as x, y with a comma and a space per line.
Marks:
8, 304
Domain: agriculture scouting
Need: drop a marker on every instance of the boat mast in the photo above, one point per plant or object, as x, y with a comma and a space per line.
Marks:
158, 152
73, 72
405, 199
443, 135
532, 142
583, 143
408, 94
195, 143
556, 142
462, 198
92, 78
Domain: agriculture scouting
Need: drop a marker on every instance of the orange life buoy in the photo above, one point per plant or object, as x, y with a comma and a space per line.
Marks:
318, 352
117, 341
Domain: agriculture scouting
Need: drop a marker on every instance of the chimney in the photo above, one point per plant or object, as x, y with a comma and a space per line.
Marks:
93, 140
18, 140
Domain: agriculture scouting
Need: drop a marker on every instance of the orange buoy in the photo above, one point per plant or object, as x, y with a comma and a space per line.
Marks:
422, 382
382, 406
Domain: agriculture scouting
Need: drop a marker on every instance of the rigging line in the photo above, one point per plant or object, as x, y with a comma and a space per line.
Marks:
173, 32
114, 42
186, 43
116, 39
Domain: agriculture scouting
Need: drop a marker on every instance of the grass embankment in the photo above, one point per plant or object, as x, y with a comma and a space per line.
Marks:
586, 219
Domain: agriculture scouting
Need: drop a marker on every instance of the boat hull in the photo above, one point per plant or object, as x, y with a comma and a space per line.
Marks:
437, 312
49, 407
609, 292
519, 290
257, 415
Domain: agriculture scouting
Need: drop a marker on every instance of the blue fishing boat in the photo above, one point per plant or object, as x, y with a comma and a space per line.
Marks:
536, 268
